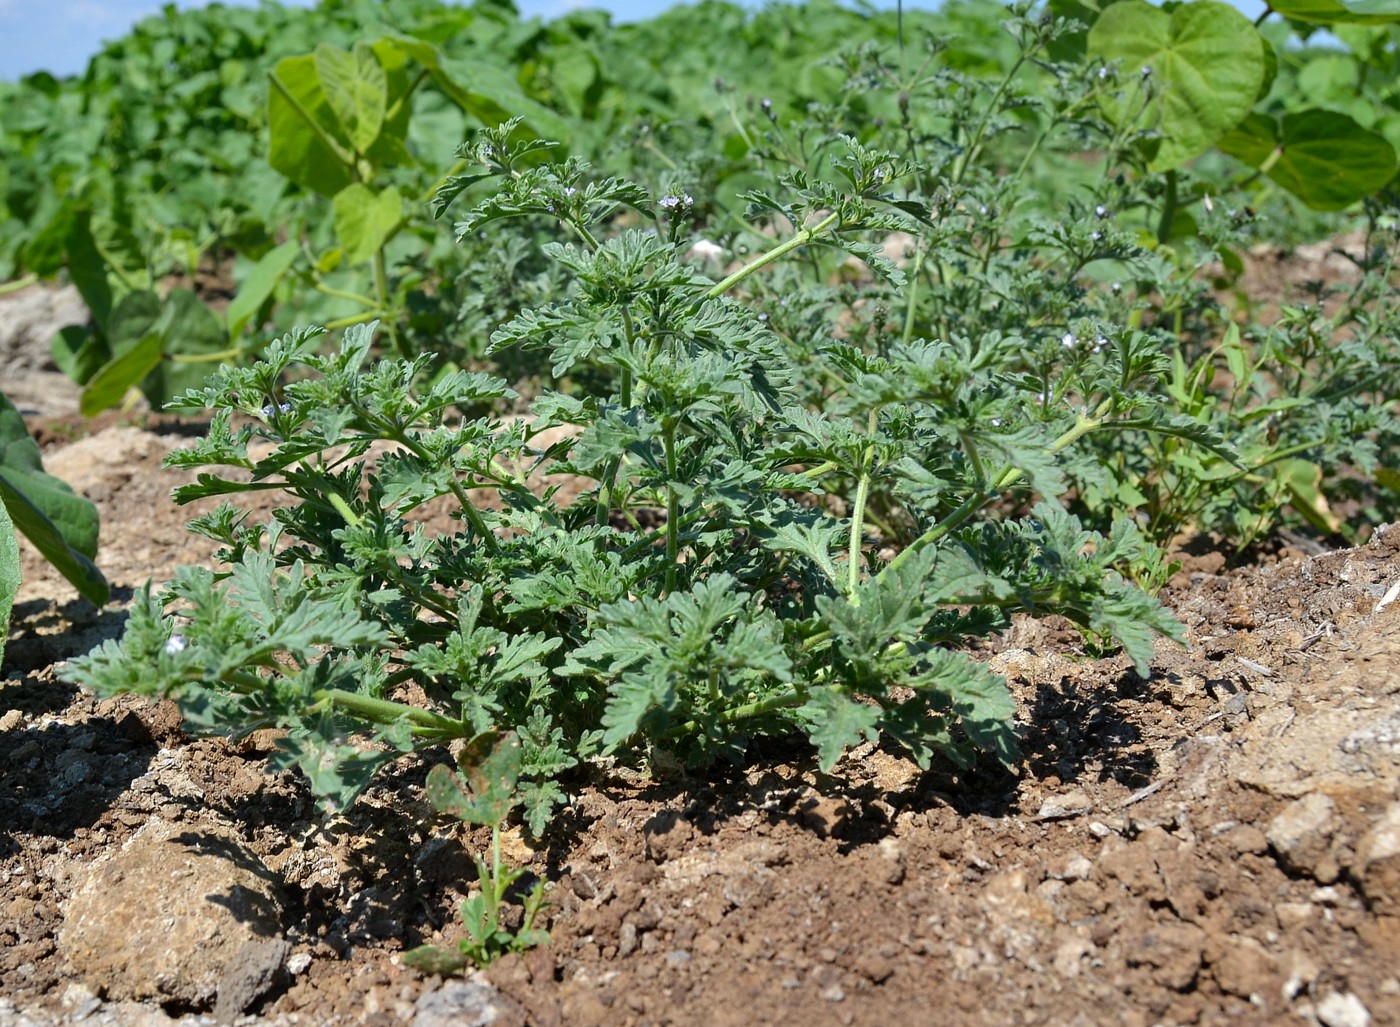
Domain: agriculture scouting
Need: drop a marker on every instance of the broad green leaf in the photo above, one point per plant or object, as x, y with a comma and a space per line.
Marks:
364, 222
134, 316
9, 575
258, 285
304, 129
356, 89
61, 525
485, 91
1205, 64
1303, 481
1334, 12
44, 252
110, 383
79, 352
1324, 158
190, 329
88, 270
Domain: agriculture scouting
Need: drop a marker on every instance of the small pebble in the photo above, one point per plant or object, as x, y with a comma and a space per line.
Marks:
1343, 1009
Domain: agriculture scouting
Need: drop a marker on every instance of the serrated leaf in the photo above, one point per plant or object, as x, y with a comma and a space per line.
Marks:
836, 723
817, 539
981, 699
889, 605
631, 701
491, 765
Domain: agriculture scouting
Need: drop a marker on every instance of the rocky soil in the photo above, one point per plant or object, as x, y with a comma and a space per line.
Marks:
1217, 843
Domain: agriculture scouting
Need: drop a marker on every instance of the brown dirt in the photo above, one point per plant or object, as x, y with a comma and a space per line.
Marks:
1219, 843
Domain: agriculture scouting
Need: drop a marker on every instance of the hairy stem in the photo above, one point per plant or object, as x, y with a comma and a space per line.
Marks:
802, 238
858, 513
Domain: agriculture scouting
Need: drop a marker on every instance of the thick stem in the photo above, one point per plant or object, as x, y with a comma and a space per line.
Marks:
386, 711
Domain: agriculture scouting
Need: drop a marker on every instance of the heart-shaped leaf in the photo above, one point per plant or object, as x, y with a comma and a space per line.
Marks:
365, 221
1324, 158
1203, 65
356, 89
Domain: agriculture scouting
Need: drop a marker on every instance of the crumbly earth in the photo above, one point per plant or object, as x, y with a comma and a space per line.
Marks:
1217, 843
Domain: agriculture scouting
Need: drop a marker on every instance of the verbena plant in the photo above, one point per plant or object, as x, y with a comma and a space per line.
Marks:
717, 578
771, 496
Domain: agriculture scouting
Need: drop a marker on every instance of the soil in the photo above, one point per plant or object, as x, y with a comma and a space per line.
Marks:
1217, 843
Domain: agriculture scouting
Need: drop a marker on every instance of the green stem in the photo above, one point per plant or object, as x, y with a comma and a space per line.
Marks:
783, 701
381, 290
858, 513
607, 488
975, 139
345, 294
1169, 206
673, 506
386, 711
915, 274
353, 319
802, 238
18, 284
1008, 477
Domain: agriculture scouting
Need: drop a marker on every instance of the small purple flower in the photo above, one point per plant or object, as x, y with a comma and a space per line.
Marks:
175, 644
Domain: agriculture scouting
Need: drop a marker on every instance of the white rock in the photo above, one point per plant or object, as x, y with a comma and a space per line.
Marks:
1343, 1009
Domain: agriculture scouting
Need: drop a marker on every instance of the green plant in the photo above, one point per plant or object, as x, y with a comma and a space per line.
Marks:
935, 380
702, 590
62, 526
491, 764
1200, 76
